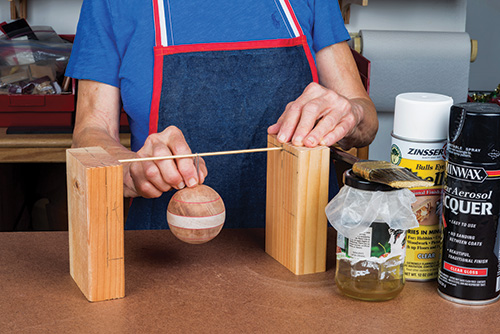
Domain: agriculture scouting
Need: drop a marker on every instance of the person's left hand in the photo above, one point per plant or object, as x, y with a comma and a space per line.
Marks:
319, 116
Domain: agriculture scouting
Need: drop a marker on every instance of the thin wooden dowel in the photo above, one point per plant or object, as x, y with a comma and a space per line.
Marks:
180, 156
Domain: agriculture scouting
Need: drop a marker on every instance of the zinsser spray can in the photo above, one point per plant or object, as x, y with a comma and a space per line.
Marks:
418, 143
469, 272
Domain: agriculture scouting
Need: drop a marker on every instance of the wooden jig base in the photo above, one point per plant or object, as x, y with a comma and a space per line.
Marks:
297, 194
95, 209
296, 226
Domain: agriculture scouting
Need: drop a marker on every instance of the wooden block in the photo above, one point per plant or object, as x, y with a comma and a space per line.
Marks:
297, 193
95, 208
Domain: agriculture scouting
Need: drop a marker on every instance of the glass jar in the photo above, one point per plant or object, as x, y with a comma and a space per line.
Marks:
370, 266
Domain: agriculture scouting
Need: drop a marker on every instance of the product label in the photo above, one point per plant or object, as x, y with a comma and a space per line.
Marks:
423, 251
470, 268
426, 160
377, 244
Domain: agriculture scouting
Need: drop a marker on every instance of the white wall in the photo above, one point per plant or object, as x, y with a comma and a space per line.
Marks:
483, 24
417, 15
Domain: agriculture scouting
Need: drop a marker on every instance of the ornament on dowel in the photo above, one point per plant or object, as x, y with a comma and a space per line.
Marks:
196, 215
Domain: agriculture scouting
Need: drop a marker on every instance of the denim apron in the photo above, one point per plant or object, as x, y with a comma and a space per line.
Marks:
223, 96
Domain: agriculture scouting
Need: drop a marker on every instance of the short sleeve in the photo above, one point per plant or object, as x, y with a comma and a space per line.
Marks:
95, 55
328, 27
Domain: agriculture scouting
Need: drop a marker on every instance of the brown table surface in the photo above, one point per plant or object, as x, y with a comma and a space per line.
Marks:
229, 285
40, 147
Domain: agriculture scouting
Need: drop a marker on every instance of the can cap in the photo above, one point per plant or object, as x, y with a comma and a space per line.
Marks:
422, 116
473, 137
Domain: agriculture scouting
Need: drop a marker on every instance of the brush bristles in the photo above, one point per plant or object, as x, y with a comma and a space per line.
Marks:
389, 174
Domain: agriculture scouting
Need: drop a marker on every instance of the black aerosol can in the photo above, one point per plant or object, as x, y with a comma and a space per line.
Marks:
469, 270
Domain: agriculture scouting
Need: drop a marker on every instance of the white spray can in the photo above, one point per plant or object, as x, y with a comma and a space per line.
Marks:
418, 143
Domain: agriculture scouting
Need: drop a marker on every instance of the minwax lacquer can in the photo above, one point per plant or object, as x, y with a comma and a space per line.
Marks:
418, 143
470, 271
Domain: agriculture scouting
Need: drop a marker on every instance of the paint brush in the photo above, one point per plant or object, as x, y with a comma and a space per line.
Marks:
381, 171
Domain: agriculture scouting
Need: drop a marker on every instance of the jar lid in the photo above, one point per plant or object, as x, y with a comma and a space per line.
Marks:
352, 180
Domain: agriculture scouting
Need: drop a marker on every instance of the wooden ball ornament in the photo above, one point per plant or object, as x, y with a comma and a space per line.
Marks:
196, 215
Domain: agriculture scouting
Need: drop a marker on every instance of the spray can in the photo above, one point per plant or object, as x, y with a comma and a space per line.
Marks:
470, 269
418, 143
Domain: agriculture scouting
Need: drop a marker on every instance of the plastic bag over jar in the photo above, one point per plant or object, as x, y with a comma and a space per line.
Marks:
371, 220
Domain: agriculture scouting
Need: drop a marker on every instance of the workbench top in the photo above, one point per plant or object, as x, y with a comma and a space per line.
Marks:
39, 147
228, 285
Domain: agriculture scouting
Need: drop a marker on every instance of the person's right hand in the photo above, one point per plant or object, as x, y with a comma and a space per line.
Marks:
150, 179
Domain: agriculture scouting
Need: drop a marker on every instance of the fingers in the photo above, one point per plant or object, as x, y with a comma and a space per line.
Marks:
152, 178
332, 137
318, 117
292, 116
273, 129
335, 124
143, 186
186, 167
149, 179
313, 125
179, 172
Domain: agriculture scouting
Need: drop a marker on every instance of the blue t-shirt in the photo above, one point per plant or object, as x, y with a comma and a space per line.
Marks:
115, 39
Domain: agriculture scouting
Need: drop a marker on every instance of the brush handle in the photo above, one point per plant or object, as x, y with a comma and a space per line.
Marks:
340, 155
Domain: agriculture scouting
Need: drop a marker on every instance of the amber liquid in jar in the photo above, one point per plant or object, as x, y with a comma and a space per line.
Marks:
371, 266
367, 280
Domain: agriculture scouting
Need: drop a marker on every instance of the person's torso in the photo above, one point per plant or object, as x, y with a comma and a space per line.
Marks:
190, 22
